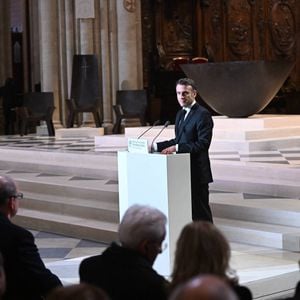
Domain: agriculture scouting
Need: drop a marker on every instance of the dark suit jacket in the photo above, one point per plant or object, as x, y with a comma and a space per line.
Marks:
26, 275
124, 274
193, 135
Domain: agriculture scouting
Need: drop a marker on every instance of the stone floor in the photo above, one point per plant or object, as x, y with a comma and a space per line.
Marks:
256, 267
86, 145
262, 269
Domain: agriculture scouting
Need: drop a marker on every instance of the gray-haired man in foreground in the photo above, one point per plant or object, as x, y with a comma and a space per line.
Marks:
125, 270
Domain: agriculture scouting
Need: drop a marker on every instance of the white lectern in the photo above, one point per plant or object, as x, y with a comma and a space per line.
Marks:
161, 181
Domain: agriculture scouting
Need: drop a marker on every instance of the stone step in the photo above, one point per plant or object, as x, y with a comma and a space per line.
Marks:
62, 185
77, 207
99, 165
267, 235
81, 228
265, 144
255, 170
256, 178
239, 134
280, 211
256, 186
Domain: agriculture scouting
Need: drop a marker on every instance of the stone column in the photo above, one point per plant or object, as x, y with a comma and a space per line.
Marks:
34, 43
107, 54
66, 52
86, 36
69, 41
85, 19
129, 44
5, 41
49, 54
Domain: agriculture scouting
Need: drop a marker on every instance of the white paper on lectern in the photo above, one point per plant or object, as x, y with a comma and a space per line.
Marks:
162, 181
138, 145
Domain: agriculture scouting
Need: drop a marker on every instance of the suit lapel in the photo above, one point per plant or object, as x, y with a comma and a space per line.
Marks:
182, 125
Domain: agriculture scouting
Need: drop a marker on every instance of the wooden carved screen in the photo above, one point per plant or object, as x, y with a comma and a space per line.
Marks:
175, 30
222, 31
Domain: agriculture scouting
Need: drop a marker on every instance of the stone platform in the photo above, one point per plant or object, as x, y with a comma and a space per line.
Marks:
256, 133
254, 197
82, 132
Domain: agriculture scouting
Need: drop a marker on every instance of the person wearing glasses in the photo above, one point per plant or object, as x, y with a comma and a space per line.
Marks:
124, 270
26, 275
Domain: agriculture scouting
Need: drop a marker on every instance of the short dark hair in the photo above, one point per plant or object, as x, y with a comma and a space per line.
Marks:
7, 188
187, 81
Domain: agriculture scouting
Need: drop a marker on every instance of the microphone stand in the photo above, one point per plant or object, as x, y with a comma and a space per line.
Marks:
165, 126
154, 124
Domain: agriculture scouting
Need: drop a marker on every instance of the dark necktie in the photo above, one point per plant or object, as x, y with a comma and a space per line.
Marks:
182, 115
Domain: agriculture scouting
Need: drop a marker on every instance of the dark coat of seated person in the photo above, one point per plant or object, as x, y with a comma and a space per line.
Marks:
27, 278
125, 270
2, 277
202, 249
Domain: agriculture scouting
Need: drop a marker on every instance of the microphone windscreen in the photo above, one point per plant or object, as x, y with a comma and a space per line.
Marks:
167, 123
156, 123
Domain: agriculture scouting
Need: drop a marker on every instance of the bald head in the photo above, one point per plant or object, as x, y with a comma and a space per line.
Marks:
204, 287
9, 203
7, 188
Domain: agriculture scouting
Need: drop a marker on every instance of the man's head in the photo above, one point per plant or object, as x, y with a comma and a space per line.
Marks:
143, 228
186, 92
9, 196
204, 287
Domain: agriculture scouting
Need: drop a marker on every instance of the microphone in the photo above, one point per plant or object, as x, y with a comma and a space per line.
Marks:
165, 126
154, 124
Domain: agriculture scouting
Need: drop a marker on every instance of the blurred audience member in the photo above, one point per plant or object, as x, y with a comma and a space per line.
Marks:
81, 291
2, 277
26, 274
125, 270
204, 287
202, 249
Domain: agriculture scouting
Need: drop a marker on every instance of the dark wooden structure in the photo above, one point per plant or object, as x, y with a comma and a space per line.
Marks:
85, 95
130, 104
230, 30
36, 107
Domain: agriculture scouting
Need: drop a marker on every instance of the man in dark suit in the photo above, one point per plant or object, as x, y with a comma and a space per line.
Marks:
193, 130
125, 270
26, 275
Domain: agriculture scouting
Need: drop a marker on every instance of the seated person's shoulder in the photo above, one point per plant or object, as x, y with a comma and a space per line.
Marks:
243, 292
91, 262
19, 231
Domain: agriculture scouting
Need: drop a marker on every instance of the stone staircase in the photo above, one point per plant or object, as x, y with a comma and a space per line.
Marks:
76, 194
79, 208
276, 180
66, 198
273, 222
